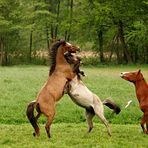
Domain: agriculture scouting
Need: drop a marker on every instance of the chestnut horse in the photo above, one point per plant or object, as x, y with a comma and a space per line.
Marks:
142, 93
52, 90
85, 98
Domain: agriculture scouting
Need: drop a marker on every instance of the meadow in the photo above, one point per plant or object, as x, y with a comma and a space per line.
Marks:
20, 84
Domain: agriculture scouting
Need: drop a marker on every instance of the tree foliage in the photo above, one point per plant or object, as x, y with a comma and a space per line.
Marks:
111, 27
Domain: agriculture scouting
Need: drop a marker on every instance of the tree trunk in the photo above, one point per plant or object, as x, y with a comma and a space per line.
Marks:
146, 55
70, 20
127, 57
6, 58
117, 47
51, 9
30, 46
135, 56
47, 36
100, 39
54, 8
1, 51
57, 20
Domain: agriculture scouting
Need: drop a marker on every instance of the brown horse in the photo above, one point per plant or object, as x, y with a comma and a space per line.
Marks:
141, 92
52, 90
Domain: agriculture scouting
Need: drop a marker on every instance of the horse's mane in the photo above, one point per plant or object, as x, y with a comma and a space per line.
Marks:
80, 74
53, 53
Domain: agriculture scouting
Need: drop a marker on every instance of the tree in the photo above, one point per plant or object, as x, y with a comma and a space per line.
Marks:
38, 17
10, 26
110, 27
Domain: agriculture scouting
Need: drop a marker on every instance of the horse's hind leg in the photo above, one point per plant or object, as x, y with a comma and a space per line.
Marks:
50, 117
98, 109
147, 126
89, 115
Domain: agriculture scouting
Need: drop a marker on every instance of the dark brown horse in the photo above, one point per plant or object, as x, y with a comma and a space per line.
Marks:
52, 90
142, 94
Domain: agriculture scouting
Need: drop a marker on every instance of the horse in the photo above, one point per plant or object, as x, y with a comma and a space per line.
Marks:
52, 91
85, 98
141, 87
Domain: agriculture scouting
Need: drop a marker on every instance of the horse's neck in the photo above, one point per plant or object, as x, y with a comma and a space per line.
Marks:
60, 59
74, 81
141, 89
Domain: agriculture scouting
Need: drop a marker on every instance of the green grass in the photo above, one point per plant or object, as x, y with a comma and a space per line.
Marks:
20, 84
68, 135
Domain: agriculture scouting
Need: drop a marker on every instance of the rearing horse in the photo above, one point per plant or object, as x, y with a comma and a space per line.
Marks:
142, 93
52, 90
85, 98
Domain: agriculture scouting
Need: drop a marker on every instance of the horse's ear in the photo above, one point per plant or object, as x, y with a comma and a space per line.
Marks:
139, 71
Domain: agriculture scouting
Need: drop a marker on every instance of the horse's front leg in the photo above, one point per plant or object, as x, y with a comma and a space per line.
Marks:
89, 115
142, 124
146, 118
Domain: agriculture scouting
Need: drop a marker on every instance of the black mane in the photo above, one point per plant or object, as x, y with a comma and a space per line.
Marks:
53, 53
79, 74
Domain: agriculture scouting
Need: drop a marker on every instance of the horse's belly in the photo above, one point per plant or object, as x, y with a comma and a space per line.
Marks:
82, 97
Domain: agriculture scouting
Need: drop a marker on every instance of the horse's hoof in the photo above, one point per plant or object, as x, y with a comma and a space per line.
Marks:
36, 134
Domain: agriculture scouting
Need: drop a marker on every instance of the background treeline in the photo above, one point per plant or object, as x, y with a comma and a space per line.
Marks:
117, 30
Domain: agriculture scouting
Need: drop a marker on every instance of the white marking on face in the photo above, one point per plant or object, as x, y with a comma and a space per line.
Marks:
68, 43
123, 73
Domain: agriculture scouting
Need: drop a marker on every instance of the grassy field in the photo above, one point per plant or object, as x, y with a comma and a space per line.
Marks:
72, 135
20, 85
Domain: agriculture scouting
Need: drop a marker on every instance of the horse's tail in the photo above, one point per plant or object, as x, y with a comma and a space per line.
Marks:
31, 117
112, 105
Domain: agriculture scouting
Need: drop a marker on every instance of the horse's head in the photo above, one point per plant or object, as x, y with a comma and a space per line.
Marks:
72, 58
132, 76
75, 61
70, 47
